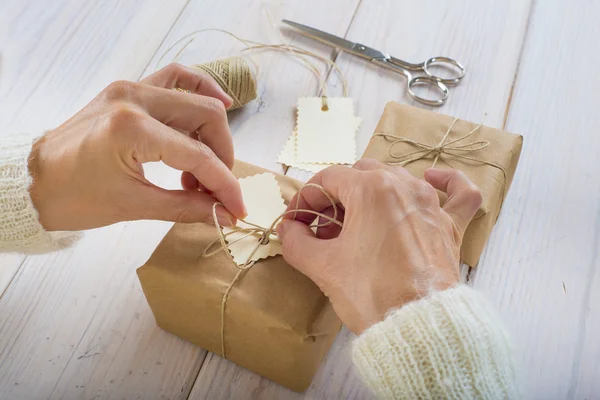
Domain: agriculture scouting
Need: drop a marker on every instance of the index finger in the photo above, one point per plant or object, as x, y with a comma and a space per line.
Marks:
179, 76
336, 180
186, 154
204, 116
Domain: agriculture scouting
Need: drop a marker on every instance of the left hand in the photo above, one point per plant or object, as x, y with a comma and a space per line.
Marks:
88, 172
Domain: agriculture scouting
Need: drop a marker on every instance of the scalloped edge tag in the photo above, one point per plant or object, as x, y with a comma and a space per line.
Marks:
264, 203
326, 137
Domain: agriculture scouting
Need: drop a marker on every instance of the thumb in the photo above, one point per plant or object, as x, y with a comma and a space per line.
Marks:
179, 206
301, 248
464, 198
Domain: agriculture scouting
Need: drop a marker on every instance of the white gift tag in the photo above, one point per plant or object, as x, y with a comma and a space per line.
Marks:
264, 203
288, 157
326, 130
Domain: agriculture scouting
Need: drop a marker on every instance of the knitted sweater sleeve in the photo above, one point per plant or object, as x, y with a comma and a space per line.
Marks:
450, 345
20, 230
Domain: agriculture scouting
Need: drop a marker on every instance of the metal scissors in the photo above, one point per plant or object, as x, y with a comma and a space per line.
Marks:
386, 61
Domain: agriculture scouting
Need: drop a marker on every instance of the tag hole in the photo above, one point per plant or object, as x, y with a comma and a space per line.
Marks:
325, 108
263, 240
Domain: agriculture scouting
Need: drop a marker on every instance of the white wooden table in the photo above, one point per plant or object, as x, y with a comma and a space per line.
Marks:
75, 324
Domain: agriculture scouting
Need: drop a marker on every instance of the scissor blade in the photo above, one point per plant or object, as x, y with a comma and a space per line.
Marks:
336, 41
321, 36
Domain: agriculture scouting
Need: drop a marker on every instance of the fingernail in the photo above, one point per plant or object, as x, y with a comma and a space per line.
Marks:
225, 218
280, 229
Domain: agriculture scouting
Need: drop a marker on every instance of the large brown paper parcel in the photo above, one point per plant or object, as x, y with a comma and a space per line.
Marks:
277, 322
429, 128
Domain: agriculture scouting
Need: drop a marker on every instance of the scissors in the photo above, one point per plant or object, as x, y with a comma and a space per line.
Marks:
386, 61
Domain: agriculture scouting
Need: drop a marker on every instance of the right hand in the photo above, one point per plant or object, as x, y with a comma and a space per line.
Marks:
396, 244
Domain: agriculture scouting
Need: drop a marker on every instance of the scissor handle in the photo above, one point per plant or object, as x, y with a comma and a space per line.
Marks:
431, 81
447, 62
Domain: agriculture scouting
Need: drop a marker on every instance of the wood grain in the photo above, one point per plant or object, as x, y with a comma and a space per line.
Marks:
56, 59
9, 265
541, 264
336, 378
75, 323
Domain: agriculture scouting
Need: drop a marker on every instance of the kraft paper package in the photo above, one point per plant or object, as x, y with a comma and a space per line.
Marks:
488, 157
277, 322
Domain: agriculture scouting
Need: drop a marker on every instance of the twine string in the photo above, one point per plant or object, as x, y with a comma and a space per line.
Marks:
441, 149
264, 239
235, 77
253, 46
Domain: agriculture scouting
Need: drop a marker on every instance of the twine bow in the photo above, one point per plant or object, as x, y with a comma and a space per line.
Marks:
265, 238
444, 147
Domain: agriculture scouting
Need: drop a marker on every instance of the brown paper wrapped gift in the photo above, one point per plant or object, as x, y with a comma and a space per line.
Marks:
277, 322
487, 156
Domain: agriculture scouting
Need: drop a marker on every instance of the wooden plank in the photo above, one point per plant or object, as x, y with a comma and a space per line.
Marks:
336, 378
584, 376
541, 265
9, 265
75, 323
53, 60
56, 59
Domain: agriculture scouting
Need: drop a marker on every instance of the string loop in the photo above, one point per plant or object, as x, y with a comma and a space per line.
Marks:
253, 46
265, 238
444, 148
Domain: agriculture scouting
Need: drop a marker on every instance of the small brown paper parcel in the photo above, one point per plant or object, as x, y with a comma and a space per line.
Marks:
277, 322
417, 139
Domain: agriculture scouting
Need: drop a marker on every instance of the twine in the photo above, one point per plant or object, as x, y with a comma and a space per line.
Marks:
264, 239
235, 78
451, 148
252, 46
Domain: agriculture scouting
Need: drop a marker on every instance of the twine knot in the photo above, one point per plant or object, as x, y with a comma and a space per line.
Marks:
264, 239
437, 150
453, 148
444, 147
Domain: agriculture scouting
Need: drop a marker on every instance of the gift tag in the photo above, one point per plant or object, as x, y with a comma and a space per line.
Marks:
264, 203
326, 130
288, 157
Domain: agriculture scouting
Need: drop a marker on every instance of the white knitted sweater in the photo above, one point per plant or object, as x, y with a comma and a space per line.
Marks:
20, 230
448, 345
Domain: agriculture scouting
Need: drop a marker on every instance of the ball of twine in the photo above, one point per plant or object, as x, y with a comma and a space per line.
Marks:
235, 77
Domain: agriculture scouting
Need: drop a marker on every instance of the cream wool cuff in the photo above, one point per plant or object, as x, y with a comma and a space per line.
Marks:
20, 229
450, 345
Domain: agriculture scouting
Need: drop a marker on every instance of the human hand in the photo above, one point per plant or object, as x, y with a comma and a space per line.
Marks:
88, 172
396, 244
